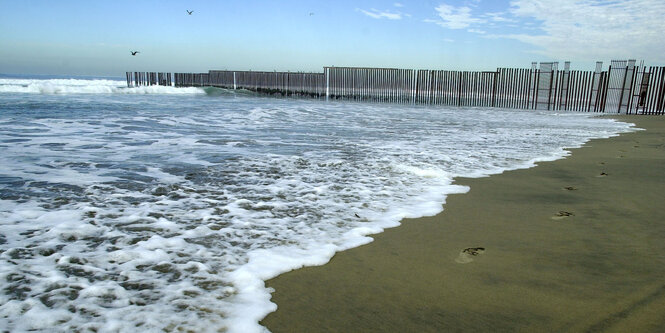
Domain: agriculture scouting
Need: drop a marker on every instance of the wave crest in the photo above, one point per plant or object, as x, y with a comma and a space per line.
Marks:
79, 86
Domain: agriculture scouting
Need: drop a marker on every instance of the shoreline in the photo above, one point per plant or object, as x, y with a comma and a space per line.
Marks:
570, 245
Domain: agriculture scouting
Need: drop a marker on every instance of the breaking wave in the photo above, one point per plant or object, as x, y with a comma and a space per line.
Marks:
93, 86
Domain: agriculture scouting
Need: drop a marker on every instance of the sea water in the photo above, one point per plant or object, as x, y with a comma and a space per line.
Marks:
165, 209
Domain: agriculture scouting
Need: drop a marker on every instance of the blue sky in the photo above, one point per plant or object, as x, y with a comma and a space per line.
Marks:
95, 37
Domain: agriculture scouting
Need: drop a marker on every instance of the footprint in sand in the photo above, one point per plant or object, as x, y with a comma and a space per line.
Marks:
602, 174
466, 255
562, 214
570, 188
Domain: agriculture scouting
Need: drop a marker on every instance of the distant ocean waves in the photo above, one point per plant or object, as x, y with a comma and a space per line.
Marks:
84, 86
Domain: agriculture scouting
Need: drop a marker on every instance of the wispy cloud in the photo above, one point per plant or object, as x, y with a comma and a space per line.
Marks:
397, 4
452, 17
477, 31
568, 29
498, 17
381, 14
592, 29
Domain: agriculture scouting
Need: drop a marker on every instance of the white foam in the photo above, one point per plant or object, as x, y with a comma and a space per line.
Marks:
170, 212
80, 86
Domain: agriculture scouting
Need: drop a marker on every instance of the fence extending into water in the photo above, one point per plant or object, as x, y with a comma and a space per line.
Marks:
623, 88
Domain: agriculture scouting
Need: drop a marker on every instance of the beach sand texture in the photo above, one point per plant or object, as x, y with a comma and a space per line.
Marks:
568, 246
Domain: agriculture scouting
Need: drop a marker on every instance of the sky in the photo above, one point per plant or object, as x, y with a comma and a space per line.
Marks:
95, 37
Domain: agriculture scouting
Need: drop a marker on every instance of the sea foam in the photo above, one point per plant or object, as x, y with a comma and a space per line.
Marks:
80, 86
125, 211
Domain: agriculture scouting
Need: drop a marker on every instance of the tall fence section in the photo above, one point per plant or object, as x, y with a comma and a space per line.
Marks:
624, 87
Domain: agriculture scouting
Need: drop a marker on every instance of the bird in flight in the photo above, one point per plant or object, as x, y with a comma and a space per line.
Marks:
189, 12
134, 52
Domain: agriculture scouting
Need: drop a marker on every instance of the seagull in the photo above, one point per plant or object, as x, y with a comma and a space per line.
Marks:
134, 52
189, 12
310, 14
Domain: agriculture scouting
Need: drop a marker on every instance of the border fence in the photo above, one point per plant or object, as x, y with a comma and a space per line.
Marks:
624, 87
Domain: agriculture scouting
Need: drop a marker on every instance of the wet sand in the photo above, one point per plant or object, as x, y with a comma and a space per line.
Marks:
573, 245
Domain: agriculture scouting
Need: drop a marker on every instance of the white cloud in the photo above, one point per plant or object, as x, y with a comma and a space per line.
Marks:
594, 29
397, 4
569, 29
498, 17
452, 17
477, 31
377, 14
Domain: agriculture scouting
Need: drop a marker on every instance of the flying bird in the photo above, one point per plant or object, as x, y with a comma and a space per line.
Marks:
189, 12
134, 52
310, 14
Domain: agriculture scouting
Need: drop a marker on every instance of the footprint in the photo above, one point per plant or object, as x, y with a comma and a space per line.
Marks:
466, 255
602, 174
562, 214
570, 188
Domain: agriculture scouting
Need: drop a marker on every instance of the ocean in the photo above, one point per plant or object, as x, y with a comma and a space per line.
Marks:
165, 209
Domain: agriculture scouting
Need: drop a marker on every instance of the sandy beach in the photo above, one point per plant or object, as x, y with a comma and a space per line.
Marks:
573, 245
